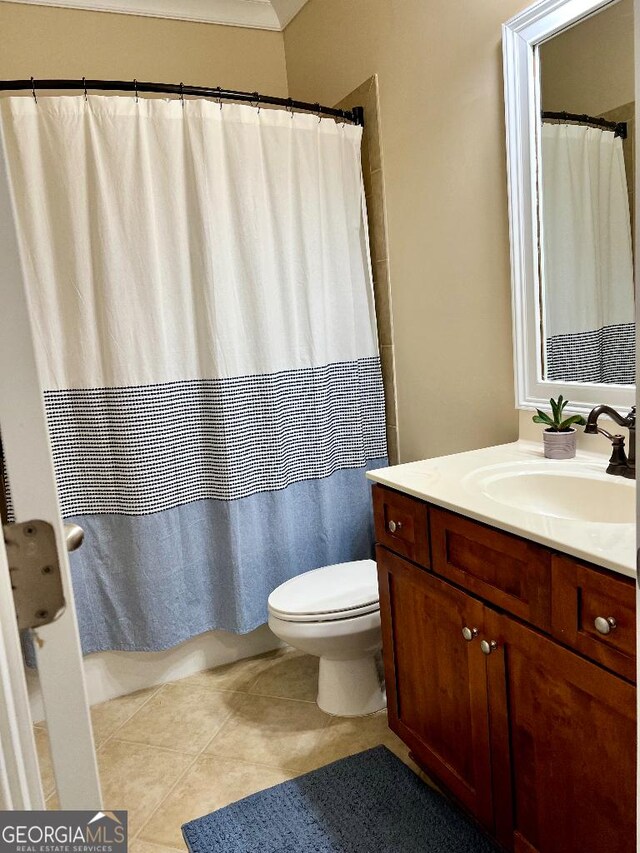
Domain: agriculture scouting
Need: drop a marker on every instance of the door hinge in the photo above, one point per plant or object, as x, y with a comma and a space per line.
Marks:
35, 572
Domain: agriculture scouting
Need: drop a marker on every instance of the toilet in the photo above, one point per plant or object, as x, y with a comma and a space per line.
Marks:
334, 613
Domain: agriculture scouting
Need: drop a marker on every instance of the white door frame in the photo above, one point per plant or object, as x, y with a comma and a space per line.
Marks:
30, 470
636, 22
20, 785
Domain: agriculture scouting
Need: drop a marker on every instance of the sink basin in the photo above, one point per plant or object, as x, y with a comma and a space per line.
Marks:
569, 490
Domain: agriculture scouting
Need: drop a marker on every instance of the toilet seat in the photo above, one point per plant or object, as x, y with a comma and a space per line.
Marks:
330, 616
329, 594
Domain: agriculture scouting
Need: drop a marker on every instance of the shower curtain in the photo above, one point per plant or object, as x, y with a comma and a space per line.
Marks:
587, 259
201, 298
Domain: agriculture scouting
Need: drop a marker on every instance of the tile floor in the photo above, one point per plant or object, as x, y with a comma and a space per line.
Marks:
172, 753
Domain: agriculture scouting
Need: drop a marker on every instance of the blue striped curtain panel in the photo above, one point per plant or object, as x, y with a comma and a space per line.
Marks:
201, 298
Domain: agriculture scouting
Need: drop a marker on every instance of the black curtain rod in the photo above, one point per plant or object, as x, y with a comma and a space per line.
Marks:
355, 115
619, 128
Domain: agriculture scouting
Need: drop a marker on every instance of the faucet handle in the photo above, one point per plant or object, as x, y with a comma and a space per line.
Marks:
618, 462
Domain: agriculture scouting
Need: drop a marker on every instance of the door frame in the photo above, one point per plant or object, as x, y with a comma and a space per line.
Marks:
636, 21
29, 465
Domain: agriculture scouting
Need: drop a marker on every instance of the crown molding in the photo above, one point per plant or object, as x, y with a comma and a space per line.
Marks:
256, 14
286, 10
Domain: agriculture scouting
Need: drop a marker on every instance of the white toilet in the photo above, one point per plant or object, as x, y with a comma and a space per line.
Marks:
334, 613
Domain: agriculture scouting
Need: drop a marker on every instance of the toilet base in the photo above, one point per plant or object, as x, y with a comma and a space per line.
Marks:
350, 688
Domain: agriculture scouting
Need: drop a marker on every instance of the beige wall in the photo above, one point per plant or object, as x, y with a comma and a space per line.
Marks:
442, 135
366, 96
589, 68
42, 41
442, 126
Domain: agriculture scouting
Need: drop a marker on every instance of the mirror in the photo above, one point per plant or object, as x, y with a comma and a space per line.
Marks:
570, 113
586, 185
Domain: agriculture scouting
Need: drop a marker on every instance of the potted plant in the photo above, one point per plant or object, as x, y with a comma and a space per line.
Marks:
560, 435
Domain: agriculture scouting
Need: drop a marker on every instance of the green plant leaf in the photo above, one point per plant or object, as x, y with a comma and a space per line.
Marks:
569, 422
543, 418
554, 410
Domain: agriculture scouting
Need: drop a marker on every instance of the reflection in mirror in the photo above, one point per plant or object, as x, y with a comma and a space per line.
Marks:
586, 208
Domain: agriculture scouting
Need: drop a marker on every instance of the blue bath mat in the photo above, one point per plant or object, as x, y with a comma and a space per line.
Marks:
368, 803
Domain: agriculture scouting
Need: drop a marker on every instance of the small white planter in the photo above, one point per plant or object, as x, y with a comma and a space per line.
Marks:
559, 445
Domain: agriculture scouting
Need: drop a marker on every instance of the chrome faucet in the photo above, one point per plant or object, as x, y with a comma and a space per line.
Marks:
620, 465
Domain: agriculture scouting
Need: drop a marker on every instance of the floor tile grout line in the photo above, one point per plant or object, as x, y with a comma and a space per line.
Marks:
324, 726
283, 653
326, 723
109, 737
132, 741
113, 735
281, 767
99, 746
138, 834
162, 800
295, 771
181, 775
246, 693
288, 698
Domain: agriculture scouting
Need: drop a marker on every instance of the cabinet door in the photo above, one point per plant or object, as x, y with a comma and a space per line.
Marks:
570, 738
436, 680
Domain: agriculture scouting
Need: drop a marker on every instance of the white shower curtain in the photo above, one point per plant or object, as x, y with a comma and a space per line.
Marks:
199, 286
587, 260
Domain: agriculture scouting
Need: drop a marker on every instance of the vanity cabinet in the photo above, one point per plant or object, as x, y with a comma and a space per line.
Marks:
503, 689
421, 615
564, 732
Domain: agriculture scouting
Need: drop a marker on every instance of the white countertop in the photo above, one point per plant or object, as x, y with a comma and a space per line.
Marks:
452, 482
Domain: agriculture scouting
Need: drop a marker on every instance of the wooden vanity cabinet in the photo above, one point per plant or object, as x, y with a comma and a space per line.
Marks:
594, 612
563, 732
536, 735
422, 618
504, 570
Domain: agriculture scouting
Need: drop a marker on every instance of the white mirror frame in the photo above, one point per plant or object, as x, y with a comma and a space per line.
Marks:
520, 39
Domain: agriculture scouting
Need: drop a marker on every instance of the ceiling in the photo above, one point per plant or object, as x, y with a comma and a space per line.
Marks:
260, 14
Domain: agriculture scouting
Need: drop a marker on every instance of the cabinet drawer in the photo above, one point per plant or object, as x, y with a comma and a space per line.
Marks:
506, 570
583, 598
402, 524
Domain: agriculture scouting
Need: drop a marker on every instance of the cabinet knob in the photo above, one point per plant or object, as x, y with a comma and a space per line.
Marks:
488, 646
605, 625
394, 525
469, 633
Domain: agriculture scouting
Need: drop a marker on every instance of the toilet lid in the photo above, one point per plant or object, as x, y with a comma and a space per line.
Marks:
332, 592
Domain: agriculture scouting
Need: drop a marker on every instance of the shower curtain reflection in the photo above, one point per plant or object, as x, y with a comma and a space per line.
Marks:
587, 262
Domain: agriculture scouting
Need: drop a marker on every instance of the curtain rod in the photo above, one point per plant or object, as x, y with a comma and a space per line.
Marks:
619, 128
355, 115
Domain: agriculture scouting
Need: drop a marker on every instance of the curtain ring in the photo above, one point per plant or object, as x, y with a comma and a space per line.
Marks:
135, 89
257, 103
290, 106
318, 111
84, 86
181, 94
33, 90
220, 97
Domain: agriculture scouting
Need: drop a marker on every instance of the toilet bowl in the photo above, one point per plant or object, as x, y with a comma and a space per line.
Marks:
334, 614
